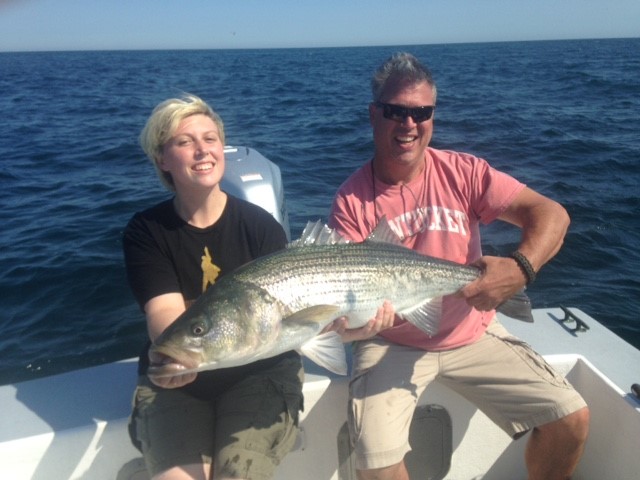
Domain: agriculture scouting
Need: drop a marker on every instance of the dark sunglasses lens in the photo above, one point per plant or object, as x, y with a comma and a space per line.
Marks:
421, 114
393, 112
399, 114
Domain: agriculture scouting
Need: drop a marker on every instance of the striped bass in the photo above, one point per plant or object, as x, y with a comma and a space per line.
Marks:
283, 301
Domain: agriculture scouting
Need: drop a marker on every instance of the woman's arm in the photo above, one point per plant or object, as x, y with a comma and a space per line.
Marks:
161, 311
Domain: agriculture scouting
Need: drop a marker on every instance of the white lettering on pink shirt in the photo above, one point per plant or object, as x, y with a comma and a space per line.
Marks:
436, 218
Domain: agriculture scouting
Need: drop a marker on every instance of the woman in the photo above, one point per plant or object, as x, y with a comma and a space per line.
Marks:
229, 423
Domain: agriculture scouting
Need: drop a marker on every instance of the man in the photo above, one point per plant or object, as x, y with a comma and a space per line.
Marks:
434, 200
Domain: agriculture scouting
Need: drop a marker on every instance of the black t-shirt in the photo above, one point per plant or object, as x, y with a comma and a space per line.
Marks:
165, 254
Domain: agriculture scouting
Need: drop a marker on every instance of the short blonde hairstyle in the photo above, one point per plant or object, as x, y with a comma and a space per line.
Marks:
163, 123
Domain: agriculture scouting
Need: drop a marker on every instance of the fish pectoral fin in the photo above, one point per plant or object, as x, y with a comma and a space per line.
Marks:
426, 316
317, 314
327, 351
518, 307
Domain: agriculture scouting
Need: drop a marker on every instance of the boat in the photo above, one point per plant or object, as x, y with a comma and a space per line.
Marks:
74, 425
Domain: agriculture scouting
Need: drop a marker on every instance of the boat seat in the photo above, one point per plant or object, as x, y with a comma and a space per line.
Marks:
430, 437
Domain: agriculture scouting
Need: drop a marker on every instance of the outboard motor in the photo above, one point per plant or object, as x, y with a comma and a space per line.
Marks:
252, 177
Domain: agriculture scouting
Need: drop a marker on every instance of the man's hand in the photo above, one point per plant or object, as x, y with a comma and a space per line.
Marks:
384, 319
501, 278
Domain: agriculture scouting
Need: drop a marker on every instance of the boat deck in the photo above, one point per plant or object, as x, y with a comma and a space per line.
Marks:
73, 426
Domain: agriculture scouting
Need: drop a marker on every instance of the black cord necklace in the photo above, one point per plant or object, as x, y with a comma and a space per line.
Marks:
403, 185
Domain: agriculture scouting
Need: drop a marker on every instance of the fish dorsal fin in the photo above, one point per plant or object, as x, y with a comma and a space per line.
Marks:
383, 233
327, 351
316, 314
317, 233
426, 316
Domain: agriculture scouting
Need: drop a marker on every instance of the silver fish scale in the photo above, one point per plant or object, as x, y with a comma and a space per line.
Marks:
355, 277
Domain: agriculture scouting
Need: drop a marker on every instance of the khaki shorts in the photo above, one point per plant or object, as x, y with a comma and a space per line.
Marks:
245, 433
499, 373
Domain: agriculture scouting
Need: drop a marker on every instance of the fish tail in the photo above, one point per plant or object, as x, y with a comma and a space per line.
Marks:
518, 307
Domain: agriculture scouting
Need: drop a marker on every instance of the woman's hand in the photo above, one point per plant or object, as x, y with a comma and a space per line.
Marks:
175, 381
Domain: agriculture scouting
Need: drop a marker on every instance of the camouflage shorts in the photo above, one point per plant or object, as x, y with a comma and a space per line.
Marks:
245, 433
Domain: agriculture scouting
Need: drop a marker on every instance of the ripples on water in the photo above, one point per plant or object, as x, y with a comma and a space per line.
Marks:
561, 116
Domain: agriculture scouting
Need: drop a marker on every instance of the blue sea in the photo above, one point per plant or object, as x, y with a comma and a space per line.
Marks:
562, 116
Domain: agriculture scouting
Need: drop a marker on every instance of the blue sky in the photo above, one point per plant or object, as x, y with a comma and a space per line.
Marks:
28, 25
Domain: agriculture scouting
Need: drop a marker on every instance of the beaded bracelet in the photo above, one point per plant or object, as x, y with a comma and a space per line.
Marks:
524, 265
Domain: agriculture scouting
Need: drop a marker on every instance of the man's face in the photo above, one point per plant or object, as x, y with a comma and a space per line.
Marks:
402, 142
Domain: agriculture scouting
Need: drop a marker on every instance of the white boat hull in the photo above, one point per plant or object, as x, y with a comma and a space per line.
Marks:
74, 425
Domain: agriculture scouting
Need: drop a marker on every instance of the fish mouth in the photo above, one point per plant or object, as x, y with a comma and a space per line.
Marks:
166, 362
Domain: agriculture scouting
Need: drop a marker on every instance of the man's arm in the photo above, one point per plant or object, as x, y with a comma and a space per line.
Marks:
544, 224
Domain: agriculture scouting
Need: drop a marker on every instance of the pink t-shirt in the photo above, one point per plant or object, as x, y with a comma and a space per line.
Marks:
438, 214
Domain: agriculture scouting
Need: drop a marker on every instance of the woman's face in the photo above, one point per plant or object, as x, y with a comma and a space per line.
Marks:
194, 155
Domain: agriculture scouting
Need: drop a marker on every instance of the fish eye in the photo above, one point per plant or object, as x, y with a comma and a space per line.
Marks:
198, 329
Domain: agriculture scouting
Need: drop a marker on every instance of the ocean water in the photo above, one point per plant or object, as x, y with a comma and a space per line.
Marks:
561, 116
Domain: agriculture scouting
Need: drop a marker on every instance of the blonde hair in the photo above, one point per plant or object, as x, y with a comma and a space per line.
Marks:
163, 123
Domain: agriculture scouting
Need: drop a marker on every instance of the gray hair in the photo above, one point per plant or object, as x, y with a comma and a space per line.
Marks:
163, 123
403, 67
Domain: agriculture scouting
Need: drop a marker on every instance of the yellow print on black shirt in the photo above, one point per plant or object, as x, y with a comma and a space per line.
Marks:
210, 270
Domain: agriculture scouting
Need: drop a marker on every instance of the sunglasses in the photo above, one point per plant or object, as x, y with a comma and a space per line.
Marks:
398, 113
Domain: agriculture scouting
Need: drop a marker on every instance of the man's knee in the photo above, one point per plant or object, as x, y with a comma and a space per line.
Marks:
574, 426
392, 472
